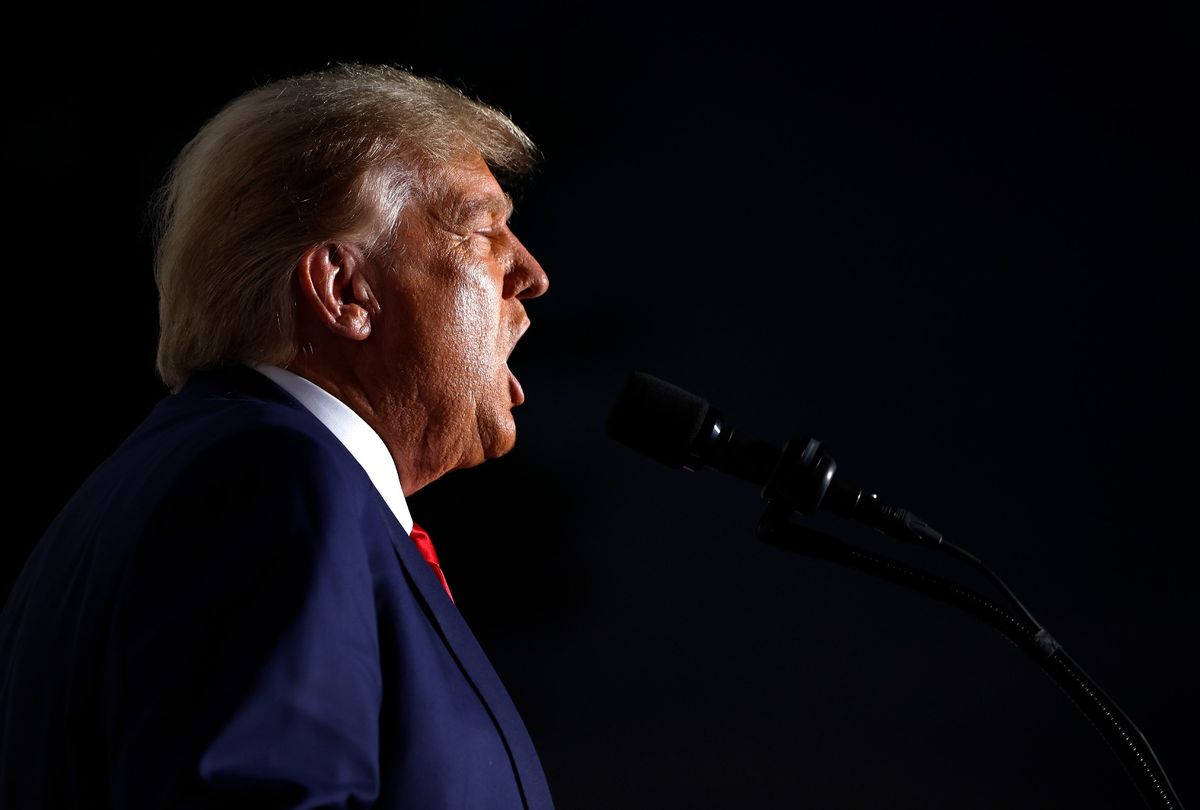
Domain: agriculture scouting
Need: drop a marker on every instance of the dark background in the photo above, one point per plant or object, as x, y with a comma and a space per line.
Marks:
950, 243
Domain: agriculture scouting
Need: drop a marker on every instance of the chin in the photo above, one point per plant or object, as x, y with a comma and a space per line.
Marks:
496, 436
502, 446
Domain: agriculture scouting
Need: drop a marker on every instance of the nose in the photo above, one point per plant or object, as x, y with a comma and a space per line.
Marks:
527, 279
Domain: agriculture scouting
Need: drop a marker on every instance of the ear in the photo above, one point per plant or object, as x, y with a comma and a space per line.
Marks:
334, 286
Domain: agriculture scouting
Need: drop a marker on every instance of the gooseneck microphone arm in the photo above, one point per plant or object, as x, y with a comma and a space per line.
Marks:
777, 528
680, 429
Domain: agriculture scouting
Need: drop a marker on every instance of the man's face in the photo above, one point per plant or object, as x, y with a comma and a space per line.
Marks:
452, 311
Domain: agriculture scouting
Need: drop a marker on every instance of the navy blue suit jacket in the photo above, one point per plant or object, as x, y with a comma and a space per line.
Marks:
227, 614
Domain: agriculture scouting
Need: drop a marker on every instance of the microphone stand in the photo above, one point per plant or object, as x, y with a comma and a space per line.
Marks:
777, 528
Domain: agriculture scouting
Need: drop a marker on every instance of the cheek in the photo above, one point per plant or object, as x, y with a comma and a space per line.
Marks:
470, 329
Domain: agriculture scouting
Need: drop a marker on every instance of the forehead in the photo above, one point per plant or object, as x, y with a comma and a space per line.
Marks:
466, 188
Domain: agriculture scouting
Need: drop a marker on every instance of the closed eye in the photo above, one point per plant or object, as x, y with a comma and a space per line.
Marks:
501, 228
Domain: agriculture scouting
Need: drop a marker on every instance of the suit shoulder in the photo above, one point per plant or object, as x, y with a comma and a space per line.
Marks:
268, 436
260, 434
259, 493
230, 462
269, 457
232, 467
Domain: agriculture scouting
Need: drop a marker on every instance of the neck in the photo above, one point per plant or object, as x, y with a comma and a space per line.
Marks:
396, 414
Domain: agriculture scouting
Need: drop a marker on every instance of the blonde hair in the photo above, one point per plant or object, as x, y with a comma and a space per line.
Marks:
334, 154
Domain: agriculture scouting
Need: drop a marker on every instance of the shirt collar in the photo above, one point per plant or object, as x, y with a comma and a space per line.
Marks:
352, 431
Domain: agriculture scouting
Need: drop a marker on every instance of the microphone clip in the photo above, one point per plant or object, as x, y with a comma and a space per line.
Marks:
802, 477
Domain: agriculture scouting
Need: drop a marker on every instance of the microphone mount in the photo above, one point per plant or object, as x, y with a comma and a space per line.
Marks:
804, 480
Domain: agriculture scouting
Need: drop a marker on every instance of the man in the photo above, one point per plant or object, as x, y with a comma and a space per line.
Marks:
236, 609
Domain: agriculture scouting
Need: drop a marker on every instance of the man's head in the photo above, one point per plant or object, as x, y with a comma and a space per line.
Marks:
347, 224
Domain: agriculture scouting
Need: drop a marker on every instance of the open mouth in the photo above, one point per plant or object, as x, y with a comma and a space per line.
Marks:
514, 385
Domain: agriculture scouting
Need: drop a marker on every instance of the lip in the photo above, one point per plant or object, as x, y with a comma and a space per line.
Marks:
521, 330
514, 387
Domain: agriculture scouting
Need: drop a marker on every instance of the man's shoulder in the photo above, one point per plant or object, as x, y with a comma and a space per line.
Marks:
237, 412
235, 472
266, 430
212, 439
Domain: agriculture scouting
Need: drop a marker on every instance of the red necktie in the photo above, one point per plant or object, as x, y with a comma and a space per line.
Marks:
421, 538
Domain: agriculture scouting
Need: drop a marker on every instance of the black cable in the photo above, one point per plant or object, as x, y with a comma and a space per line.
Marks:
1114, 726
1054, 648
975, 561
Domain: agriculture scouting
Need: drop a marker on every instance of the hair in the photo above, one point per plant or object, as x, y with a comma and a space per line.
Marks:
335, 154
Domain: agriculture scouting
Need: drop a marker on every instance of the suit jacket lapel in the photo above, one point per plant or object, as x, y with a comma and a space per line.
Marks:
474, 664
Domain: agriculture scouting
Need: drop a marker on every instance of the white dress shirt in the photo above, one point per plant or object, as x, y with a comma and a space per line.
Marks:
351, 430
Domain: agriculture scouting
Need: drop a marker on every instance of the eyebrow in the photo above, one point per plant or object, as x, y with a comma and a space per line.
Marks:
492, 204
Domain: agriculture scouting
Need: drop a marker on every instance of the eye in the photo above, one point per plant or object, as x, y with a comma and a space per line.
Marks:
492, 230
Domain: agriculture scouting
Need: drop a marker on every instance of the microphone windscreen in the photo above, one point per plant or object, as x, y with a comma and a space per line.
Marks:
657, 419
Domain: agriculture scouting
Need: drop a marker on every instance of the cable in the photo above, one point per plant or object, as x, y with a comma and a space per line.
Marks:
1114, 726
975, 561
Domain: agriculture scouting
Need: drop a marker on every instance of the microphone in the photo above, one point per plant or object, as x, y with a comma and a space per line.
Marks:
680, 429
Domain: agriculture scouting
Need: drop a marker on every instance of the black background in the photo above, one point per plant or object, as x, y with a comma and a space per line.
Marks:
951, 243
